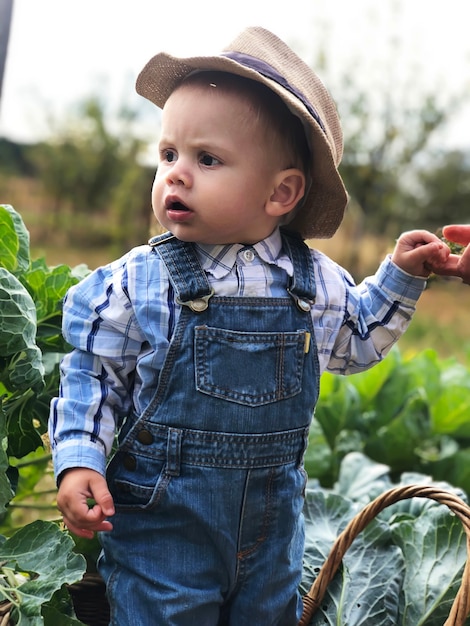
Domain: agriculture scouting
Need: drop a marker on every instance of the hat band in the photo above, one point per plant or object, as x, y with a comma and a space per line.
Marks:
268, 71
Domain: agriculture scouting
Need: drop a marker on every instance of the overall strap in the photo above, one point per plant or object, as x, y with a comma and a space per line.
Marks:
186, 274
192, 287
302, 287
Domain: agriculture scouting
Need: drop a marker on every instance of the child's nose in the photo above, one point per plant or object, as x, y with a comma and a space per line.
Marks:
180, 174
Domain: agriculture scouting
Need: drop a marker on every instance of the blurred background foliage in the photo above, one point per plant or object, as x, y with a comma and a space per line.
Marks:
84, 193
85, 187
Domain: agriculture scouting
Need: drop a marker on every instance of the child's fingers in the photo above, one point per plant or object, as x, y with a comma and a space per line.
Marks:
434, 253
102, 496
86, 528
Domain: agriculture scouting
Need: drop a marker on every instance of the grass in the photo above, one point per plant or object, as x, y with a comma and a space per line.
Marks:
441, 321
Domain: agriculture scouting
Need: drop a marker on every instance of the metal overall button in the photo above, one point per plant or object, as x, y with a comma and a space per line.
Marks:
145, 437
304, 305
129, 462
198, 304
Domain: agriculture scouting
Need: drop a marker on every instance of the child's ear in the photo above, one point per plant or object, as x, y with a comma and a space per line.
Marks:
288, 191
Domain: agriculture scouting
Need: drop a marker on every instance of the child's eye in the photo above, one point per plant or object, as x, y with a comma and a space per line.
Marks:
169, 156
209, 160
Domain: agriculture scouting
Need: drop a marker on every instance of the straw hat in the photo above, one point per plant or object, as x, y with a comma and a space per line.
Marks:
258, 54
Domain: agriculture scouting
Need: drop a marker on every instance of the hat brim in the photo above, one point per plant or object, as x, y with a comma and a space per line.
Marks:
323, 206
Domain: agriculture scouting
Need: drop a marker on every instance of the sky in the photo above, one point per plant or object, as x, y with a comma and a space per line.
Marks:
62, 51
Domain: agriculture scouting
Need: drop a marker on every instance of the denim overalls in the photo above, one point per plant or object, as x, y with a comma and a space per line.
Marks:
208, 482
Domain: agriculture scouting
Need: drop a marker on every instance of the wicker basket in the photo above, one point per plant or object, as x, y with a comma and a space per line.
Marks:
89, 600
5, 610
461, 606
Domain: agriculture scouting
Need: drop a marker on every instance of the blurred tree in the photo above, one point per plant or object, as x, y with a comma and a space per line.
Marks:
391, 116
15, 159
96, 184
444, 195
378, 166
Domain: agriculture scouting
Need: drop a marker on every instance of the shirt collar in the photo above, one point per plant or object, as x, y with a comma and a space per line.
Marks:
218, 260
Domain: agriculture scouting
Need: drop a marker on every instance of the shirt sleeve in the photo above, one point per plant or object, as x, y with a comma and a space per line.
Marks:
97, 375
356, 325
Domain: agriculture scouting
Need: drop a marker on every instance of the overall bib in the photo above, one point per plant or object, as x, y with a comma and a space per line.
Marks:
208, 482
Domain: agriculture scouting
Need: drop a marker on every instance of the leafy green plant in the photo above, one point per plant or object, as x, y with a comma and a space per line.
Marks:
35, 562
410, 413
404, 569
31, 342
38, 559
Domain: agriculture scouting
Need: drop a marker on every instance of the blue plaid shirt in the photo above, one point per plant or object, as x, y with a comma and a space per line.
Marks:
120, 320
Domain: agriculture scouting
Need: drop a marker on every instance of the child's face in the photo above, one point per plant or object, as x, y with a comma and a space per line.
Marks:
215, 174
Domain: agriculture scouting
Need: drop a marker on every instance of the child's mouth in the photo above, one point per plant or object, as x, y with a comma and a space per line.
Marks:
177, 206
177, 211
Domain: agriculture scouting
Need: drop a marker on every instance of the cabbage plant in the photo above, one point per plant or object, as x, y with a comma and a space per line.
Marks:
38, 559
404, 569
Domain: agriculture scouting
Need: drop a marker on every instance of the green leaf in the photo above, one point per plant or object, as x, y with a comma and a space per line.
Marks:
19, 355
23, 435
34, 467
55, 617
434, 547
454, 468
420, 374
424, 371
369, 383
6, 491
319, 459
450, 411
49, 336
59, 611
365, 589
361, 479
14, 251
338, 401
48, 286
397, 442
45, 552
18, 319
26, 370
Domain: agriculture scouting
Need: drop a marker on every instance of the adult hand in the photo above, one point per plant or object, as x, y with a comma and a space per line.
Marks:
457, 265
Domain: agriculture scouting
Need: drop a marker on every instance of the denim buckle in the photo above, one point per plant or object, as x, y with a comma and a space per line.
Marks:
198, 304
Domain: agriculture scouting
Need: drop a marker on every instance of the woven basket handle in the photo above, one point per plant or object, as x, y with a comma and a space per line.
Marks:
461, 606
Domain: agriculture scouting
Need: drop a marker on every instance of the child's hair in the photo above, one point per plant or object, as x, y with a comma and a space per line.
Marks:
282, 128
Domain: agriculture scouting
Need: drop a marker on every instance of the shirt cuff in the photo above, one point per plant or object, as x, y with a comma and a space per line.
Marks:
399, 284
70, 455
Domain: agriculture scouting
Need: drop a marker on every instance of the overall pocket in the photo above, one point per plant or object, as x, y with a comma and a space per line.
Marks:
136, 481
249, 368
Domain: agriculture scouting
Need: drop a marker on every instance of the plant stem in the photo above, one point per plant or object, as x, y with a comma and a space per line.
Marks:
39, 507
32, 462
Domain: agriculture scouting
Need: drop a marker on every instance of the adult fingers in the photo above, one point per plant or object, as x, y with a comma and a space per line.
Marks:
458, 233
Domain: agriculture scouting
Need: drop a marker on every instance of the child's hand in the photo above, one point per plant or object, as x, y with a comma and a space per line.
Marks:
77, 487
419, 253
457, 265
